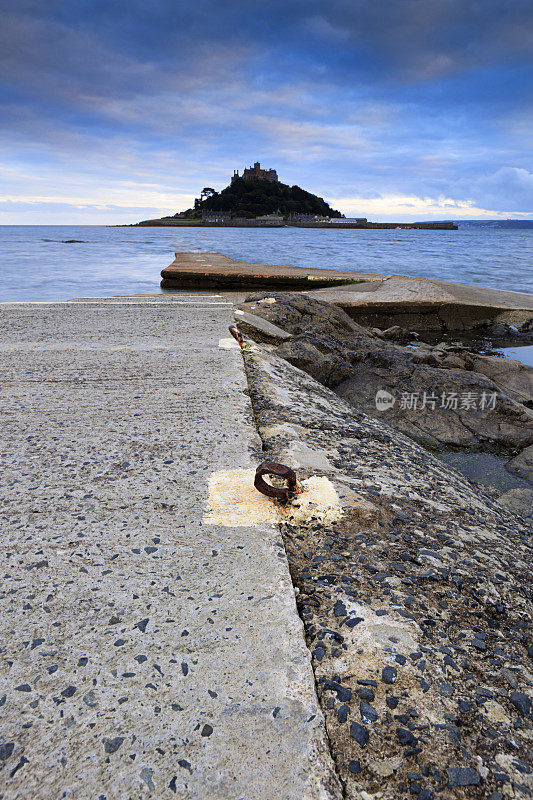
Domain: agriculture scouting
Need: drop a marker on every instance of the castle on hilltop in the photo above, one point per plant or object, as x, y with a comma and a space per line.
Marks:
255, 173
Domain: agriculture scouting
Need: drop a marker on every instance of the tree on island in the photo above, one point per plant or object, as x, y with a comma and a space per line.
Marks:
207, 192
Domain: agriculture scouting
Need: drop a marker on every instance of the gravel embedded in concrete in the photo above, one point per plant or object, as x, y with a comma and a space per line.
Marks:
145, 652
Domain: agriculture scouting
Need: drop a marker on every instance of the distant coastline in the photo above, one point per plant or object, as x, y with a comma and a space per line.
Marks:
502, 224
507, 224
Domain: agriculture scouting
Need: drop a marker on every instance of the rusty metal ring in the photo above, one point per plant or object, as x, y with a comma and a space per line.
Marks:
280, 471
237, 335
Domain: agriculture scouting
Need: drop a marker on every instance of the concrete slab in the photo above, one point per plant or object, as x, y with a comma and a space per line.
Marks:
422, 303
370, 299
261, 329
215, 271
145, 652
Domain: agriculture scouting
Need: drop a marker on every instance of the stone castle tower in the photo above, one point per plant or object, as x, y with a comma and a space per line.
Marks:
255, 173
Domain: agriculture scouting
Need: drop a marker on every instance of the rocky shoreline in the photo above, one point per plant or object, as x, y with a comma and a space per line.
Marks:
446, 396
413, 586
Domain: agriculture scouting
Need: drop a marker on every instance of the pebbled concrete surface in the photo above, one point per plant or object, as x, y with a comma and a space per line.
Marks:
416, 601
143, 651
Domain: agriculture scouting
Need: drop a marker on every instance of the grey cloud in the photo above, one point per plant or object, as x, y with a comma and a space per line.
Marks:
427, 39
509, 189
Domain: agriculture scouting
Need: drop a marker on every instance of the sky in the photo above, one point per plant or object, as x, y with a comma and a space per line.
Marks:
115, 111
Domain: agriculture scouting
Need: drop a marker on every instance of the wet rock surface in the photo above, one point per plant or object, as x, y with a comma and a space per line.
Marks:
437, 396
416, 603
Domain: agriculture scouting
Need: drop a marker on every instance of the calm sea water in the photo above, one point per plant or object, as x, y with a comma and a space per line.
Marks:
35, 264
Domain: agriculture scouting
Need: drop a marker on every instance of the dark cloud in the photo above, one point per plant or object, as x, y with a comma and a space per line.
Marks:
349, 98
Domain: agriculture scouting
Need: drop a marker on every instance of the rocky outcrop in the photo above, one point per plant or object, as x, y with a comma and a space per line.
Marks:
522, 464
416, 602
515, 324
520, 501
513, 377
435, 394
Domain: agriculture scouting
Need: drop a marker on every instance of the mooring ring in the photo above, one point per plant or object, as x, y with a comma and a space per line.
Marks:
280, 471
237, 335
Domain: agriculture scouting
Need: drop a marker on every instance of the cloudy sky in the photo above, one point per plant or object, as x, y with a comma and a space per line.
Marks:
116, 111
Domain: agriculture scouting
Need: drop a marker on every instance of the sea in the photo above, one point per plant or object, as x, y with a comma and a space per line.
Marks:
38, 263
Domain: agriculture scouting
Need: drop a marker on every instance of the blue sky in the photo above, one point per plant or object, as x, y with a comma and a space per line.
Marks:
392, 109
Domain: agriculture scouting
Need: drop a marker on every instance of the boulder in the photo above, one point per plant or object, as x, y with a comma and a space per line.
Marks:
519, 501
434, 400
512, 377
298, 313
259, 329
522, 464
516, 324
452, 362
436, 406
397, 334
330, 369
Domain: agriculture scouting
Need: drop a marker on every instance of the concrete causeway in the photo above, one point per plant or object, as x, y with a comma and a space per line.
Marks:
371, 299
145, 652
194, 270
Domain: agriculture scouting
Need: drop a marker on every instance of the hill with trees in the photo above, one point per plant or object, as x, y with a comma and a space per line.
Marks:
252, 198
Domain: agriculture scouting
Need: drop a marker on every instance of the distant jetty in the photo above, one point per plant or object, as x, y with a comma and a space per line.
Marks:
258, 199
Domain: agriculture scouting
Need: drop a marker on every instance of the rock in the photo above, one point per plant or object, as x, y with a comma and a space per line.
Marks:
425, 356
522, 464
343, 693
406, 738
259, 329
112, 745
6, 750
330, 370
510, 677
512, 377
437, 406
519, 501
433, 404
384, 768
389, 674
397, 334
368, 712
452, 362
521, 702
339, 609
462, 776
366, 693
297, 313
359, 733
342, 714
517, 323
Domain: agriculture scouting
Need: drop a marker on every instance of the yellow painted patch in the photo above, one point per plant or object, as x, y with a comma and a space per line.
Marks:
318, 498
234, 501
228, 344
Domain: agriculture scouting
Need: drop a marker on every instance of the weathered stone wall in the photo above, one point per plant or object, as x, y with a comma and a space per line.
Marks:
416, 602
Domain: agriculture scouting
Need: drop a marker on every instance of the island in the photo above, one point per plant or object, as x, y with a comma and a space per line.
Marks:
257, 198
